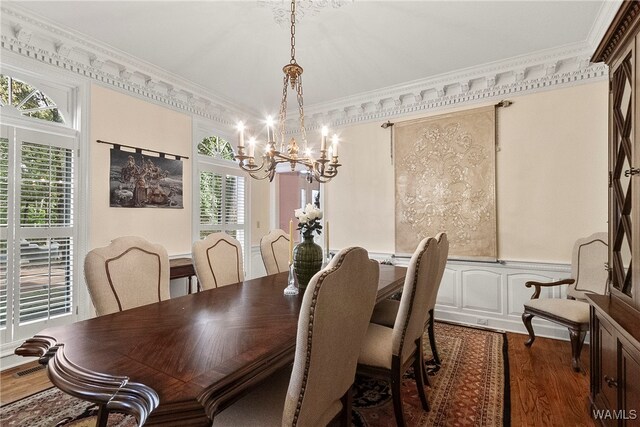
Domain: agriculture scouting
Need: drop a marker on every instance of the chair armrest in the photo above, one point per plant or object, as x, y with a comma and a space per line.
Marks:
539, 285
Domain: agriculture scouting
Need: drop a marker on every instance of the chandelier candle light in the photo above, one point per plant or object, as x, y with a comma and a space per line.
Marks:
322, 169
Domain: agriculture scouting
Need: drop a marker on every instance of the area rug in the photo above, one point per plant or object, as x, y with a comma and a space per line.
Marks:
469, 388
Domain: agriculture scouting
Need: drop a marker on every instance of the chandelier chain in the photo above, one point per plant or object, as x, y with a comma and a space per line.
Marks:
283, 111
293, 31
301, 111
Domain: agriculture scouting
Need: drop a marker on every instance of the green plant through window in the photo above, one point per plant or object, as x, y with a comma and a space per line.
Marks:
216, 147
29, 101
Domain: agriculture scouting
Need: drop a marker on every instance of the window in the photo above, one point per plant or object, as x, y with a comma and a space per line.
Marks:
223, 196
27, 100
38, 231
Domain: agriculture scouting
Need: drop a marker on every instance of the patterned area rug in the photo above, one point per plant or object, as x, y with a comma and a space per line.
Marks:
469, 388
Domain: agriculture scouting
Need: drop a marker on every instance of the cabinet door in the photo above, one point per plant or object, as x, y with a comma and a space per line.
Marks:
608, 376
622, 123
630, 381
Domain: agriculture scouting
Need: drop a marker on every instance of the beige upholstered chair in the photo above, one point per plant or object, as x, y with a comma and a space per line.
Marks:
386, 311
335, 312
589, 274
218, 261
388, 352
128, 273
274, 248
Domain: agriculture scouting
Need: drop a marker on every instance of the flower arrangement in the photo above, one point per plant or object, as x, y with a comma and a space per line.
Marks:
309, 220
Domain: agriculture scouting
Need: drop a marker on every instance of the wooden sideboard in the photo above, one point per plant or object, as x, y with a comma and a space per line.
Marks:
615, 319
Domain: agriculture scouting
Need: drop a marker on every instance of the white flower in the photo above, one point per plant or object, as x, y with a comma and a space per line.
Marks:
299, 212
303, 218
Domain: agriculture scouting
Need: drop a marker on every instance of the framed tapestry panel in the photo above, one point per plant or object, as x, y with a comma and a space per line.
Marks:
445, 168
141, 181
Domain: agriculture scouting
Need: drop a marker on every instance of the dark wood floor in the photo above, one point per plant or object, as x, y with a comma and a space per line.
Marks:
545, 391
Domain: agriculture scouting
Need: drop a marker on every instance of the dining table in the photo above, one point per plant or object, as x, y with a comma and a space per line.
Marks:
182, 360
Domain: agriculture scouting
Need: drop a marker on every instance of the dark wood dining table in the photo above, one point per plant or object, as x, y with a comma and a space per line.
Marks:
180, 361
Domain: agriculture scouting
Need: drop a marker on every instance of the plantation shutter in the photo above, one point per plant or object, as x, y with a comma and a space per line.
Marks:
46, 231
222, 204
37, 231
4, 209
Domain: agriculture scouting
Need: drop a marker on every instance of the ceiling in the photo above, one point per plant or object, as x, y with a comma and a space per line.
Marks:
236, 50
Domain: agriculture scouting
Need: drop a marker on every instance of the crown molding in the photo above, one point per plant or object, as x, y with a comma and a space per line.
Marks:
29, 35
607, 12
34, 37
545, 70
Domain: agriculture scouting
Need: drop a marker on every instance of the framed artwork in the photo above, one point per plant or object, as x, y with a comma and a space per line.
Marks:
141, 181
445, 181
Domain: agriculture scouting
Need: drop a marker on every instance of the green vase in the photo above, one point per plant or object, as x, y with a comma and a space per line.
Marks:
307, 260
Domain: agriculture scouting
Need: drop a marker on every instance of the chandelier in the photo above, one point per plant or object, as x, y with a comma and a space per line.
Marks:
322, 169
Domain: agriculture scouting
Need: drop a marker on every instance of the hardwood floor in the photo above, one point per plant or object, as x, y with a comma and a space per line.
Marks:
13, 388
545, 391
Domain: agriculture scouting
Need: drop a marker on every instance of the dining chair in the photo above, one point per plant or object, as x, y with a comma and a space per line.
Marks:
386, 311
336, 308
218, 261
274, 249
127, 273
388, 352
588, 275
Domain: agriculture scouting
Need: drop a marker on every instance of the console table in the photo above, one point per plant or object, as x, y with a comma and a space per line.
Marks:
180, 268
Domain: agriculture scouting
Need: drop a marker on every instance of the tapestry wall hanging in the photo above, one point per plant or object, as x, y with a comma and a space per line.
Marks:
142, 181
445, 181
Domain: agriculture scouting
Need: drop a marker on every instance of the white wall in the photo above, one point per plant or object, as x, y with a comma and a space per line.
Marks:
551, 177
116, 117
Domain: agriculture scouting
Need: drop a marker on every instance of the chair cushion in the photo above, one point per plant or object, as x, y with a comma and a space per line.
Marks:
385, 312
376, 349
574, 311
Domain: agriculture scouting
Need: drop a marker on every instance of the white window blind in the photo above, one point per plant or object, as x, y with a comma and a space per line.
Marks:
37, 231
222, 205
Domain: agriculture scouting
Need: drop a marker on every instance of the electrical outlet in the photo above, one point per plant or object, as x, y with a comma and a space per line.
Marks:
481, 321
258, 224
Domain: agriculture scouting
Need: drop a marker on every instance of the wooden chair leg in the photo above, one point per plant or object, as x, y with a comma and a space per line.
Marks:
418, 373
103, 416
396, 395
577, 339
432, 339
423, 363
526, 319
347, 401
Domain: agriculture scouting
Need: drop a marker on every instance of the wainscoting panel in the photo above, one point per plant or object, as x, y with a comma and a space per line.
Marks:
481, 290
492, 294
448, 293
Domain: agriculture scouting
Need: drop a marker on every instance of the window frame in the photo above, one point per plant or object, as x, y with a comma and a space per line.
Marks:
204, 163
72, 97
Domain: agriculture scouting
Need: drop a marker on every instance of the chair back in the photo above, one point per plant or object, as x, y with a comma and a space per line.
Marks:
218, 261
419, 285
334, 317
588, 266
128, 273
274, 249
443, 254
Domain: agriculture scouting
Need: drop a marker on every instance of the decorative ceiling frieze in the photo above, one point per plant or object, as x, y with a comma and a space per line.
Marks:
282, 10
46, 42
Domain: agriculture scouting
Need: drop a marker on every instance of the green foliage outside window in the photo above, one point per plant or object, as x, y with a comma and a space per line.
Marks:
28, 100
216, 147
